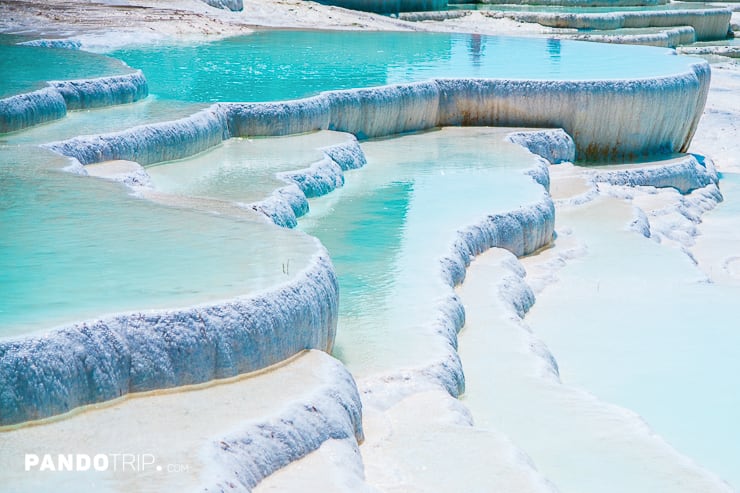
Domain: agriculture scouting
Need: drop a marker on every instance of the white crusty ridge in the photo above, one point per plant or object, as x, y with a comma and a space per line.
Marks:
615, 119
608, 120
152, 143
709, 24
51, 103
386, 110
666, 38
521, 231
286, 204
685, 174
102, 91
247, 456
554, 145
97, 360
31, 108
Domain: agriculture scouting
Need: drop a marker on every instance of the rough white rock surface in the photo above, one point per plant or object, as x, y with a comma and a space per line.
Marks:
685, 174
614, 119
225, 435
233, 5
667, 38
286, 204
709, 24
51, 103
102, 359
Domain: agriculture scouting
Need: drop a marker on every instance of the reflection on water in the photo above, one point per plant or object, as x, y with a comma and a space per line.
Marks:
553, 50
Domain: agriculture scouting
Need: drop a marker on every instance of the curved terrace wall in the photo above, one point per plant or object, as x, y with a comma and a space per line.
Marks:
608, 120
709, 24
521, 231
685, 174
572, 3
98, 360
51, 103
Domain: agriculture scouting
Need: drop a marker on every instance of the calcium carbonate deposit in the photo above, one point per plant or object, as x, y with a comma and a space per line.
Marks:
306, 260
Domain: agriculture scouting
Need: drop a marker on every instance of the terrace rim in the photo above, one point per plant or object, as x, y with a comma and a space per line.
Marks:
608, 119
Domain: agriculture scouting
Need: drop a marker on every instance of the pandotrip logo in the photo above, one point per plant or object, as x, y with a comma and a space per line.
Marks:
120, 462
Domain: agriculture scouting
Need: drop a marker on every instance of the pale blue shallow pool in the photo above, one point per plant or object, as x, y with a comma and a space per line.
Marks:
513, 7
389, 226
27, 68
242, 170
392, 223
637, 324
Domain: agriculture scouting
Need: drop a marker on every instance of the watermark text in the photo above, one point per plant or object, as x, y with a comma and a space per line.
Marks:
122, 462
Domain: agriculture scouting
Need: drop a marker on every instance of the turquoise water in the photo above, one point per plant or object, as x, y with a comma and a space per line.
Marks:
74, 247
386, 229
393, 222
27, 68
103, 120
59, 217
278, 65
60, 242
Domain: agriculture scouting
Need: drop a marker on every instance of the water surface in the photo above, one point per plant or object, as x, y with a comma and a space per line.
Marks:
279, 65
27, 68
392, 223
